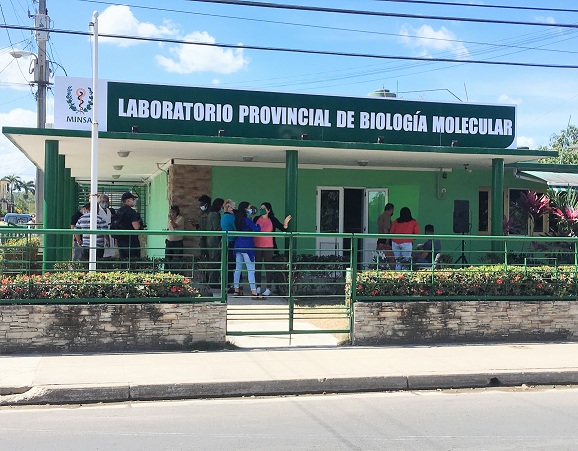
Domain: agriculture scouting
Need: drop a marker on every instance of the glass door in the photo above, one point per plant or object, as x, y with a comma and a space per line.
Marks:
375, 200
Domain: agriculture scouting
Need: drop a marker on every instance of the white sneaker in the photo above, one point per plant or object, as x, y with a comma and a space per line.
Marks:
267, 292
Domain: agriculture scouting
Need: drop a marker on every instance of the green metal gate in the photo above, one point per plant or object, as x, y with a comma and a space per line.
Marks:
309, 296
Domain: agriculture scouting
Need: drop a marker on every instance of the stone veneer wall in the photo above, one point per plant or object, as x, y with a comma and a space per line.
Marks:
110, 327
464, 321
186, 184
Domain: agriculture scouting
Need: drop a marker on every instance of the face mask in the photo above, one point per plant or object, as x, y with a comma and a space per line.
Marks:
204, 208
262, 211
250, 211
104, 205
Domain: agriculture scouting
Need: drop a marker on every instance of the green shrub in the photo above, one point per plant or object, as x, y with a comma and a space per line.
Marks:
96, 285
473, 282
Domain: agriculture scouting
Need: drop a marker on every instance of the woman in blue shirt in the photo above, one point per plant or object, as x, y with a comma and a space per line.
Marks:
244, 250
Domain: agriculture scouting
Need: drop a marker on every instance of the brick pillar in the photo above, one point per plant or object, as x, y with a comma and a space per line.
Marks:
186, 184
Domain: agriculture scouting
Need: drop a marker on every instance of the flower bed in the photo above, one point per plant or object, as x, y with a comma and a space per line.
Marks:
96, 285
480, 282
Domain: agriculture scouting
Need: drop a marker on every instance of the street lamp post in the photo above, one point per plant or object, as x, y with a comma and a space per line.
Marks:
41, 22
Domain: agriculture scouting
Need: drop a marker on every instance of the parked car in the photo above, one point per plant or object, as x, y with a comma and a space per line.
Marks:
17, 218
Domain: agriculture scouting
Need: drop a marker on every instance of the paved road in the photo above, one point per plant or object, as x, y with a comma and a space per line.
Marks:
494, 419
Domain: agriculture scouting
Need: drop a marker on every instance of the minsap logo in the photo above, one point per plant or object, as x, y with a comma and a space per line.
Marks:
80, 103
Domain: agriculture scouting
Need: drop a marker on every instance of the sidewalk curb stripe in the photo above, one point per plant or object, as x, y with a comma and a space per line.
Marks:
85, 394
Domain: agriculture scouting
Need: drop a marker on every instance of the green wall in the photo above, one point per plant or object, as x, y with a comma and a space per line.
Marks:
414, 189
157, 210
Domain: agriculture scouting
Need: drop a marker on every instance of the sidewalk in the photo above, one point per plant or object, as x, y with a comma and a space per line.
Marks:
58, 379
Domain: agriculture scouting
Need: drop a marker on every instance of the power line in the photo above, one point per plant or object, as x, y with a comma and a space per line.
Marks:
301, 51
476, 5
322, 27
379, 13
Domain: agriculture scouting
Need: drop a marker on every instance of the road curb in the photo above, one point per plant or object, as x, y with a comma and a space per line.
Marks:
87, 394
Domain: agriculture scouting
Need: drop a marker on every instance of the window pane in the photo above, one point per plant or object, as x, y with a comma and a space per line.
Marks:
483, 211
329, 214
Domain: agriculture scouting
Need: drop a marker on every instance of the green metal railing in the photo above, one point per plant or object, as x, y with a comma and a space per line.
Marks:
307, 266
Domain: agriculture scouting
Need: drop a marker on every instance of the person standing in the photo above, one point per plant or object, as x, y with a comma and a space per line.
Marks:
384, 223
129, 245
174, 242
214, 242
228, 225
204, 205
383, 228
84, 240
105, 212
77, 244
402, 247
265, 245
245, 248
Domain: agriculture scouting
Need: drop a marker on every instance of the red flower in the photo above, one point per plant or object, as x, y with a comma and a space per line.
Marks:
439, 291
374, 292
187, 280
173, 289
499, 281
4, 281
539, 285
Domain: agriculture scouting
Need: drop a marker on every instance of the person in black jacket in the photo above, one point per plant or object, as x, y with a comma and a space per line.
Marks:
129, 245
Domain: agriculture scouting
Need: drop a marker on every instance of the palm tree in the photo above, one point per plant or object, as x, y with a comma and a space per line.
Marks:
14, 183
28, 187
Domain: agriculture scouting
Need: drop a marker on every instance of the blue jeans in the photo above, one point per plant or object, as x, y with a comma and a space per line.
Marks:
240, 258
402, 254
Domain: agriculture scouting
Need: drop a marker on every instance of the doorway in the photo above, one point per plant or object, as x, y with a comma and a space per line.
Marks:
339, 210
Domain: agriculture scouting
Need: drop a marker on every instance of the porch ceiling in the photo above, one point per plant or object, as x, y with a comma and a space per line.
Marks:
151, 153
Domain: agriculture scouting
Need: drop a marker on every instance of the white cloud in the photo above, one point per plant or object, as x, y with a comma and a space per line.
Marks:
187, 58
545, 19
505, 99
14, 161
119, 19
426, 39
526, 141
14, 72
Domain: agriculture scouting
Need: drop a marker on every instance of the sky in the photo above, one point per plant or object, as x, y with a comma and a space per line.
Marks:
545, 97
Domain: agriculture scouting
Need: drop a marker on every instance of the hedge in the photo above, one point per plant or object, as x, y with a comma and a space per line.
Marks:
91, 285
472, 282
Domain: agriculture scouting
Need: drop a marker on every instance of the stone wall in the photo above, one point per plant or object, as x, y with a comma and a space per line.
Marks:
186, 184
464, 321
110, 327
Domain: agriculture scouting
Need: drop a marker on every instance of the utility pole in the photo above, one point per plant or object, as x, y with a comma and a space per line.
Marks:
41, 73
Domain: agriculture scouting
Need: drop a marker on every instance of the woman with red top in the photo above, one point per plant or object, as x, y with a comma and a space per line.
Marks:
265, 245
402, 247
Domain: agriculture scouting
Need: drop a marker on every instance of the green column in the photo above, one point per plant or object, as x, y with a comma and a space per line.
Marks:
60, 214
67, 212
50, 202
291, 170
497, 199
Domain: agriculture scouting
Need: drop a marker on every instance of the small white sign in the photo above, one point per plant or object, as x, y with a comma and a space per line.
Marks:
74, 102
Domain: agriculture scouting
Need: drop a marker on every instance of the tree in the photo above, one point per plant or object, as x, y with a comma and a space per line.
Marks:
28, 187
562, 143
14, 184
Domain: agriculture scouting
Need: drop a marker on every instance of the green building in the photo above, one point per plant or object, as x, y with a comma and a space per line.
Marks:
331, 162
